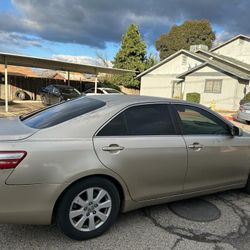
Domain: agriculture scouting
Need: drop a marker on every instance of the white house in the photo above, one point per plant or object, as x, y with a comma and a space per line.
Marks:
220, 75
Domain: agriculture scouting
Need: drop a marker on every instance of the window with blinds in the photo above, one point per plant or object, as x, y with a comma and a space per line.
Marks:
213, 86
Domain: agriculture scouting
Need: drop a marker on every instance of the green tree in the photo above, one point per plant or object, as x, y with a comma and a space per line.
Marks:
192, 32
131, 55
151, 60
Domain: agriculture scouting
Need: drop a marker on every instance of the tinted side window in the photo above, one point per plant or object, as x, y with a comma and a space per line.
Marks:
116, 127
90, 91
49, 88
196, 121
62, 112
151, 119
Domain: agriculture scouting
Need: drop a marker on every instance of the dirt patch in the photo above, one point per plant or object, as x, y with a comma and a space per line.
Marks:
17, 109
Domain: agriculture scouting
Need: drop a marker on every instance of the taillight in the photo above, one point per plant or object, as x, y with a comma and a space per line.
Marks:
10, 159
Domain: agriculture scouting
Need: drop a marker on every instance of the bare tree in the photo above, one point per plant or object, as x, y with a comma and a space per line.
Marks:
102, 58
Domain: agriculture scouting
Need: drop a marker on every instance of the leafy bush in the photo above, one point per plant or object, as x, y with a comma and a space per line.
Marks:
193, 97
245, 99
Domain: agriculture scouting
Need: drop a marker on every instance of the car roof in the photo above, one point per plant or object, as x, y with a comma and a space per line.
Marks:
132, 99
107, 88
62, 86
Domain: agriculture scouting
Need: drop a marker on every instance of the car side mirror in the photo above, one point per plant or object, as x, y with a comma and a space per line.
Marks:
235, 131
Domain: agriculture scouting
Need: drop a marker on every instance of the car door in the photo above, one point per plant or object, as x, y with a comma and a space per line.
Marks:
215, 157
55, 96
142, 146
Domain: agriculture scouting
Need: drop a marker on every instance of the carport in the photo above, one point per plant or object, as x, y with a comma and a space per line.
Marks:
42, 63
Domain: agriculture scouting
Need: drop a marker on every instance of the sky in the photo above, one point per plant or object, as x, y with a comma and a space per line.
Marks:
76, 30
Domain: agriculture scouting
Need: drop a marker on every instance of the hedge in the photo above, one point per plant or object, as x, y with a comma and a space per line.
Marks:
193, 97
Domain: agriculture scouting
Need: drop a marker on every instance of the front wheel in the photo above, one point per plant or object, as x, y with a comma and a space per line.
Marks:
43, 99
88, 208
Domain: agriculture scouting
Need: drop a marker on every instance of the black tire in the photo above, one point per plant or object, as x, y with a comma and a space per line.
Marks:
247, 187
21, 95
44, 102
248, 122
62, 214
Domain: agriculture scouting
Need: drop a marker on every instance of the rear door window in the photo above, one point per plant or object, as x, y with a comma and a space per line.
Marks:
149, 119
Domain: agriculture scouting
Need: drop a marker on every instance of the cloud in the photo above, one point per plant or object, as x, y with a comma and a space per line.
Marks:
80, 59
96, 22
76, 59
16, 41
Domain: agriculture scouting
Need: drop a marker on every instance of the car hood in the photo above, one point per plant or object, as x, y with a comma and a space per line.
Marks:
12, 129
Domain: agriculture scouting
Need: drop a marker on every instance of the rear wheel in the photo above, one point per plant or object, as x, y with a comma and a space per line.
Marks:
88, 208
44, 102
247, 187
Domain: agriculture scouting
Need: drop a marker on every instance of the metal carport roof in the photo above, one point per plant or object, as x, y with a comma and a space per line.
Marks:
44, 63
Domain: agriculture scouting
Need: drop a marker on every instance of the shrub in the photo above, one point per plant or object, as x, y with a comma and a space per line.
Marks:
193, 97
245, 99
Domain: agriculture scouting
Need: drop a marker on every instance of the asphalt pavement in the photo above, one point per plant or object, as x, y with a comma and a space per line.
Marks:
223, 223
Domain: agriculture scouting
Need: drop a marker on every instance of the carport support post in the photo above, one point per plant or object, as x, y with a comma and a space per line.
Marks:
96, 81
6, 84
68, 78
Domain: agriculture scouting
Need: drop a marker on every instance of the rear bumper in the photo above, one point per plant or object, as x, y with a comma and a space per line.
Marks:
27, 204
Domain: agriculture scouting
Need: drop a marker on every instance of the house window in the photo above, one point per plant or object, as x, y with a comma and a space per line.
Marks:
213, 86
184, 60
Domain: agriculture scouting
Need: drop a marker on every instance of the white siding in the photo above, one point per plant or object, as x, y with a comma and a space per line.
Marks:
159, 82
175, 66
231, 93
158, 85
238, 49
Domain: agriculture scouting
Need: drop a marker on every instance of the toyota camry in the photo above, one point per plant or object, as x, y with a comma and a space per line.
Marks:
80, 163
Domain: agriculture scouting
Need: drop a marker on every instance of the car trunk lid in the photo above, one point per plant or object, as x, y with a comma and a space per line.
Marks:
12, 129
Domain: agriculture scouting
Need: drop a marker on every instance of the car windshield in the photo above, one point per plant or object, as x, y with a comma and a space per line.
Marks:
62, 112
112, 91
68, 90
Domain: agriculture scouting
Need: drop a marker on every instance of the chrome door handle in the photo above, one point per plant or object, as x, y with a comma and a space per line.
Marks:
113, 148
196, 146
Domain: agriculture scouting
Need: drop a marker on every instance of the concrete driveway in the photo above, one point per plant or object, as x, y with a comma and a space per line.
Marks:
220, 221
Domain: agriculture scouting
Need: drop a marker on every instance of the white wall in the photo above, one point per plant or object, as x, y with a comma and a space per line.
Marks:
238, 49
159, 82
157, 85
231, 93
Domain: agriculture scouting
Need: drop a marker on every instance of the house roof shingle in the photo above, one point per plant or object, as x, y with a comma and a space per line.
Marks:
226, 59
19, 71
219, 66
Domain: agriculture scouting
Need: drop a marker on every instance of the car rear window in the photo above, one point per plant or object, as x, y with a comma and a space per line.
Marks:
68, 90
62, 112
